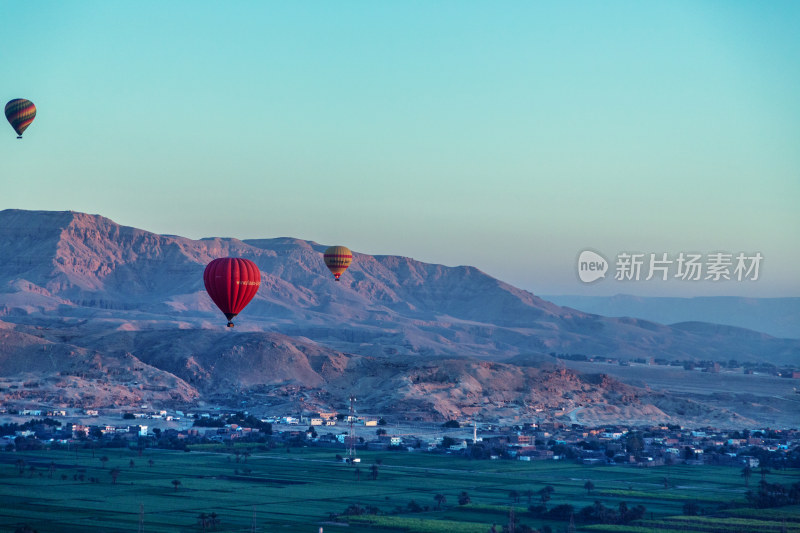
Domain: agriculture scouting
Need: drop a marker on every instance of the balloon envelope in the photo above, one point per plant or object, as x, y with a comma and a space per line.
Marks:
20, 113
337, 259
231, 282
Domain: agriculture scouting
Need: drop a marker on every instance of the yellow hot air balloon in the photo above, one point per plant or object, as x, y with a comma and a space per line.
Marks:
337, 259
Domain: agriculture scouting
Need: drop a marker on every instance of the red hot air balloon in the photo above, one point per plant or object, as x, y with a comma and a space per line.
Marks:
231, 282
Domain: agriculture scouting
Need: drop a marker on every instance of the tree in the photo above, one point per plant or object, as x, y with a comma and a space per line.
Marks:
175, 483
589, 486
746, 473
513, 496
448, 441
623, 512
202, 518
114, 475
763, 471
358, 474
374, 469
634, 444
414, 507
214, 519
440, 499
545, 497
463, 498
452, 424
560, 512
104, 460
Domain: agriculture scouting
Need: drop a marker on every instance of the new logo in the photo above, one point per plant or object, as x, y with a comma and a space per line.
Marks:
591, 266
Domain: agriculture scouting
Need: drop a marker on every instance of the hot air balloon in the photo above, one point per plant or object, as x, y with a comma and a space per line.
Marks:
20, 114
337, 259
231, 282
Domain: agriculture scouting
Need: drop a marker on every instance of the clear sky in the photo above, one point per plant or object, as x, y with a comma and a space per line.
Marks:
505, 135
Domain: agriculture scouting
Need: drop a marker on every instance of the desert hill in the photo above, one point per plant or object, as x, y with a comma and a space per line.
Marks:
98, 314
75, 265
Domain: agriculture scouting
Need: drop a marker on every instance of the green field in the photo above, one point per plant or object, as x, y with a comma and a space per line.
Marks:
299, 491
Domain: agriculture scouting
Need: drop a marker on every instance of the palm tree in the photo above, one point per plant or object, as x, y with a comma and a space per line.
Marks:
114, 474
746, 473
440, 499
176, 482
214, 518
104, 460
589, 486
763, 471
623, 511
545, 497
374, 469
203, 519
545, 493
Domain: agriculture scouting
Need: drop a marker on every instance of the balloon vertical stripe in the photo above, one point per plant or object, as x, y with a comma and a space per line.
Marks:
231, 282
20, 113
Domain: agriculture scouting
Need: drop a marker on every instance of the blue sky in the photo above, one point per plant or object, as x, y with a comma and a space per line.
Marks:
506, 135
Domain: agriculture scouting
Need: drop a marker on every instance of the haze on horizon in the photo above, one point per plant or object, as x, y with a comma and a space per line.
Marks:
507, 136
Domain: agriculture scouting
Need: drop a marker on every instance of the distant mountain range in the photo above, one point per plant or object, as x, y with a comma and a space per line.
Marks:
78, 266
94, 313
779, 317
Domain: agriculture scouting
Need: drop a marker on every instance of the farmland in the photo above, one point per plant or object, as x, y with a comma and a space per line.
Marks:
301, 489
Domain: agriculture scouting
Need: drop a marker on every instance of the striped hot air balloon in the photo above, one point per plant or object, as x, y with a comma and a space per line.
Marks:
20, 113
337, 259
231, 282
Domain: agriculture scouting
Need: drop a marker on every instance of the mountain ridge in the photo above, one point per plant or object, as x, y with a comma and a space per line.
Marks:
97, 314
84, 264
778, 317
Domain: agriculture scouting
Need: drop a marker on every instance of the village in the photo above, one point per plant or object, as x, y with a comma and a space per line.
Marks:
346, 435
